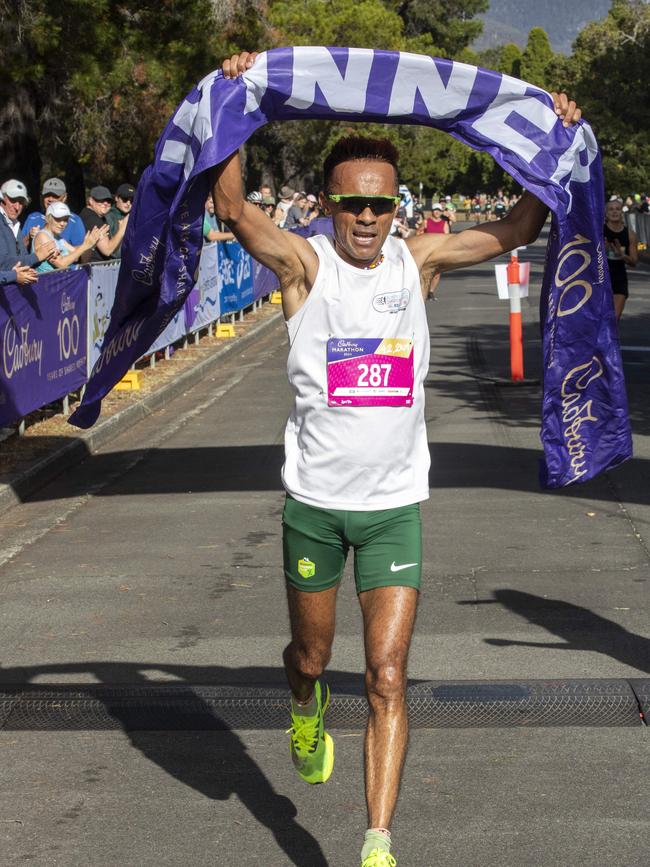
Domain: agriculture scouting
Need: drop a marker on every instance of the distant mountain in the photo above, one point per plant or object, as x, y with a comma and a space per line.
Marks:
511, 20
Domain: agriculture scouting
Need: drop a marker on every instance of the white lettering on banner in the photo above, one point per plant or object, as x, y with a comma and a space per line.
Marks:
574, 414
569, 163
243, 268
67, 303
316, 66
18, 353
124, 340
493, 124
256, 80
416, 73
194, 119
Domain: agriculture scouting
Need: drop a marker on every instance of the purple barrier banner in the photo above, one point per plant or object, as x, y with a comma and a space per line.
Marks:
44, 341
585, 424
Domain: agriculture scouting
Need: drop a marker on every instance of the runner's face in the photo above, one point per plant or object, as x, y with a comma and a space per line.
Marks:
360, 237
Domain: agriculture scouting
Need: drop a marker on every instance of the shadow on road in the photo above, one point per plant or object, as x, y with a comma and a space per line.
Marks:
215, 765
578, 627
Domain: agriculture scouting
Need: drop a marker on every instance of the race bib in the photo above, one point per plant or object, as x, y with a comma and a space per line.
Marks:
369, 372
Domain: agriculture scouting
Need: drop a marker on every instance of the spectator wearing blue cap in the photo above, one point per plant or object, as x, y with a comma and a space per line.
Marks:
12, 250
54, 190
94, 215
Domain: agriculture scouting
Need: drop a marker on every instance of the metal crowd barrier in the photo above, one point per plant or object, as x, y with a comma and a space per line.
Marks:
640, 225
207, 314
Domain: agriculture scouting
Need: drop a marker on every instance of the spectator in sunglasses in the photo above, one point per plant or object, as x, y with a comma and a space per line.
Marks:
120, 209
94, 215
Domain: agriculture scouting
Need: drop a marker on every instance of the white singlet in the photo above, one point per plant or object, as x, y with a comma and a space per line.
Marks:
358, 458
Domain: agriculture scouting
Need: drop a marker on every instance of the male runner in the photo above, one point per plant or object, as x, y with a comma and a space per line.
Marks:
357, 456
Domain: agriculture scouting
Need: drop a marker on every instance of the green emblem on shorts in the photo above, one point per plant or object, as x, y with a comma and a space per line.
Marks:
306, 568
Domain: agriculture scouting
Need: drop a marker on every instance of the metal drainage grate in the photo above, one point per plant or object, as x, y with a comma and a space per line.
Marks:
434, 704
641, 688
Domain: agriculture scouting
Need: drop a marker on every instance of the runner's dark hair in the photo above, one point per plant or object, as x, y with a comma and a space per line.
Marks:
356, 147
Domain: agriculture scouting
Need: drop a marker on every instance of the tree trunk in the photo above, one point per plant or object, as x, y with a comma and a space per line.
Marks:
19, 152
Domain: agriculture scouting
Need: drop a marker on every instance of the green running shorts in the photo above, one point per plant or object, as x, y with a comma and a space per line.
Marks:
387, 546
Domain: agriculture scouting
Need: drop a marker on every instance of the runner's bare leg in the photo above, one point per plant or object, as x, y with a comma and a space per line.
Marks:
313, 618
389, 617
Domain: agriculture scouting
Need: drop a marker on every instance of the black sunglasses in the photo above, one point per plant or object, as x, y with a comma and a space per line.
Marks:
354, 204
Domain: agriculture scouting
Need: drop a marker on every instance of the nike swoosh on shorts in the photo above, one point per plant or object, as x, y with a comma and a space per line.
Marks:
394, 568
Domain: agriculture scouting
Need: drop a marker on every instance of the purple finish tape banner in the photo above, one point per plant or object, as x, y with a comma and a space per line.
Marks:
585, 426
44, 341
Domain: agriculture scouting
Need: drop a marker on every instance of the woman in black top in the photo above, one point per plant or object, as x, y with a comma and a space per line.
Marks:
621, 250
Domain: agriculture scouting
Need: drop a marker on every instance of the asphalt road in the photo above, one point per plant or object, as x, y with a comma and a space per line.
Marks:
158, 559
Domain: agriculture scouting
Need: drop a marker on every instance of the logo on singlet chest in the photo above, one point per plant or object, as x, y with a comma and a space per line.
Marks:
391, 302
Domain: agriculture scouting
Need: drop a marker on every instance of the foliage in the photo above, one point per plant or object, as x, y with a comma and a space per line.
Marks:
607, 75
450, 24
537, 58
88, 85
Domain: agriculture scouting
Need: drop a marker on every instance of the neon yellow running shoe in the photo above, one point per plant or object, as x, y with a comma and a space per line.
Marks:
312, 749
379, 858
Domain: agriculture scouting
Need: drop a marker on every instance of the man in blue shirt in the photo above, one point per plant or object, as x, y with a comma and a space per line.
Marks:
54, 190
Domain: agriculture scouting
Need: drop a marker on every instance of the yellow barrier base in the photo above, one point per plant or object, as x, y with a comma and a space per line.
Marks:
276, 297
129, 382
224, 329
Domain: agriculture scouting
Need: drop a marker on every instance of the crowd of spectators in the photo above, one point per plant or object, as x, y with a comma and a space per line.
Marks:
54, 237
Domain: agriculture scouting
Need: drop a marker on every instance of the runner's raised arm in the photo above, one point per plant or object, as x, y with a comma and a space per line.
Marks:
289, 256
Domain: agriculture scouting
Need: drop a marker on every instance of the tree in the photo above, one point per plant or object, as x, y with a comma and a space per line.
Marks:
607, 76
450, 25
511, 60
537, 58
88, 85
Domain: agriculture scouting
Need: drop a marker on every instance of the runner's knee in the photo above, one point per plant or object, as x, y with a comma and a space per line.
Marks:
386, 681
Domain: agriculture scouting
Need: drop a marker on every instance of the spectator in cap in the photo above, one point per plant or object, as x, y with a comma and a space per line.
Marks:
118, 211
282, 209
54, 190
93, 215
312, 210
56, 219
296, 213
12, 249
268, 205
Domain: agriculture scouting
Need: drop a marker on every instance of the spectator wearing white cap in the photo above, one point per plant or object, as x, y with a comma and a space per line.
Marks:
312, 210
12, 249
53, 190
56, 219
98, 204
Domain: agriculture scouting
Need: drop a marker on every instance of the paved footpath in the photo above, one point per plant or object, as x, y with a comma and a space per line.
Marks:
158, 560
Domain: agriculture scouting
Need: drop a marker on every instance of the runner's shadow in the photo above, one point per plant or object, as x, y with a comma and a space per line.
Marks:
214, 763
579, 628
